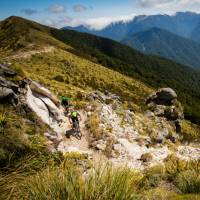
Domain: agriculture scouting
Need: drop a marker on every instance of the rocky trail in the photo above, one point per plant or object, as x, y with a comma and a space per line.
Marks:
123, 132
70, 143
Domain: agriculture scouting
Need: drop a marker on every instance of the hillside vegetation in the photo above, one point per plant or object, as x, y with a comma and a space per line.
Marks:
151, 70
28, 170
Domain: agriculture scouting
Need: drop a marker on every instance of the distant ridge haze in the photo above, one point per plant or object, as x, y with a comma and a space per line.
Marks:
175, 37
184, 24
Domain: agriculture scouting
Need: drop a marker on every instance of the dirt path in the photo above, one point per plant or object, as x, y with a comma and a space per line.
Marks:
72, 143
28, 54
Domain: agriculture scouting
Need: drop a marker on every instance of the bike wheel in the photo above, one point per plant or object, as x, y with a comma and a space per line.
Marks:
78, 134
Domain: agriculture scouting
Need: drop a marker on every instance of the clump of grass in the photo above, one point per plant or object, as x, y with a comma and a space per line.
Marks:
158, 193
68, 183
189, 131
173, 166
80, 104
19, 70
186, 197
146, 157
109, 146
13, 176
181, 175
3, 121
152, 177
93, 126
20, 138
59, 78
188, 181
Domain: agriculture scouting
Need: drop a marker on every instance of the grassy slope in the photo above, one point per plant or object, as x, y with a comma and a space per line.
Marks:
78, 74
152, 70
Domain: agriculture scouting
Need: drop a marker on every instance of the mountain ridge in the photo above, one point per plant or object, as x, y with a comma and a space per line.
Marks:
182, 23
166, 44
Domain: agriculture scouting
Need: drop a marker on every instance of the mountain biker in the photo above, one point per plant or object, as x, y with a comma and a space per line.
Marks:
65, 103
74, 116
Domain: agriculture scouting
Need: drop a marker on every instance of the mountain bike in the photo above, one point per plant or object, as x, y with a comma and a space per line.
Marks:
77, 132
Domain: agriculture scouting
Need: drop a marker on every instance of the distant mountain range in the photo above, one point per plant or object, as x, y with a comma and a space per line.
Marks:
177, 37
161, 42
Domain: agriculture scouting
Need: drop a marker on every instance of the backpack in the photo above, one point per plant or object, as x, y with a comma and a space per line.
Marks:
74, 114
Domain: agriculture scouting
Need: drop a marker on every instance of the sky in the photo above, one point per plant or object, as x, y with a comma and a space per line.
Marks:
93, 13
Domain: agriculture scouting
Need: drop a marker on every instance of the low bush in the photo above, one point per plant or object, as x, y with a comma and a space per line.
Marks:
190, 132
3, 121
59, 78
152, 177
188, 181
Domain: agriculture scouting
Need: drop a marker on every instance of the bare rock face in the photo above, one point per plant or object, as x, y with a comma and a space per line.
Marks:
39, 89
8, 89
100, 145
5, 71
106, 97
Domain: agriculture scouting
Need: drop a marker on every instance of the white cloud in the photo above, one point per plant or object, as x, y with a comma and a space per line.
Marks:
49, 22
92, 23
80, 8
140, 7
58, 22
56, 8
152, 3
166, 6
29, 11
99, 23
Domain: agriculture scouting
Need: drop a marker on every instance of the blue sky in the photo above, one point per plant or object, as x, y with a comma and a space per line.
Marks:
94, 13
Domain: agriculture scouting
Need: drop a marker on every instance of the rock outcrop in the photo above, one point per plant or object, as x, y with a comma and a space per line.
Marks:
8, 89
27, 95
163, 103
164, 96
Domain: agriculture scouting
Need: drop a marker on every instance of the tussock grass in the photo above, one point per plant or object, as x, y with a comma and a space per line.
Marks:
67, 183
22, 137
70, 181
190, 132
188, 181
182, 175
3, 121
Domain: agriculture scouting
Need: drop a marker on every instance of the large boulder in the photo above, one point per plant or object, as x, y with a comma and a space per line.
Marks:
164, 96
39, 89
164, 103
